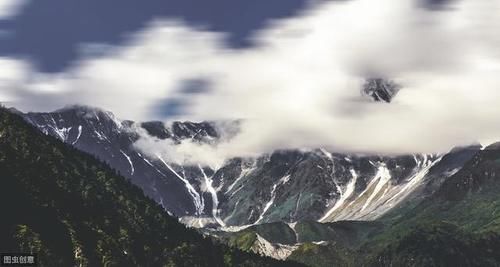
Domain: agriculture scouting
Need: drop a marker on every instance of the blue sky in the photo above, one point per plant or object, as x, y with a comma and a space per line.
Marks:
49, 32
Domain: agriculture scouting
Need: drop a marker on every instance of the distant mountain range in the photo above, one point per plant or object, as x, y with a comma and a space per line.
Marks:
316, 207
284, 186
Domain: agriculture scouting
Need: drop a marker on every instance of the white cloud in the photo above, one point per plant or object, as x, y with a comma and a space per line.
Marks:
300, 87
128, 81
10, 8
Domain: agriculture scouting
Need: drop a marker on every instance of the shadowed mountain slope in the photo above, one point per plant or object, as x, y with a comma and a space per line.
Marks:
72, 210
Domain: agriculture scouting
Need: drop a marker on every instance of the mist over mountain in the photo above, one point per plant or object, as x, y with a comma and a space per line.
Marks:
195, 133
285, 185
301, 76
244, 198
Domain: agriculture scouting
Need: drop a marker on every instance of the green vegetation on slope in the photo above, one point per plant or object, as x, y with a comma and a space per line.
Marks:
319, 255
458, 226
439, 244
74, 210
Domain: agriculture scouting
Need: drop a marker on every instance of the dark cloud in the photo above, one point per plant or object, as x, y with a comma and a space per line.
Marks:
437, 4
49, 32
195, 86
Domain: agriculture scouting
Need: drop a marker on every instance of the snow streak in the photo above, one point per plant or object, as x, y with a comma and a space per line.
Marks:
195, 195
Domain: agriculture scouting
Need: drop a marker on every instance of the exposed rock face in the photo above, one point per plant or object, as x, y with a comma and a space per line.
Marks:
277, 251
380, 89
100, 133
482, 169
285, 186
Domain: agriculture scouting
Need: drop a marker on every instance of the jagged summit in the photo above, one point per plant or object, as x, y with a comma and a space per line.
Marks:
381, 90
282, 186
101, 134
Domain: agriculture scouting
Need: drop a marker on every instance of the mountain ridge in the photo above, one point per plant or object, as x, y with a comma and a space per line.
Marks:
433, 209
72, 209
283, 186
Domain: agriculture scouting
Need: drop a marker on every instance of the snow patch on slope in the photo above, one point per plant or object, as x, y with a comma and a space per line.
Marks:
382, 177
62, 133
132, 170
415, 180
343, 196
215, 200
80, 128
277, 251
194, 194
380, 195
244, 172
268, 205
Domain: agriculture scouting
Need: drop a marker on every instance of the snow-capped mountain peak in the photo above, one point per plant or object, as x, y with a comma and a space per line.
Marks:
286, 186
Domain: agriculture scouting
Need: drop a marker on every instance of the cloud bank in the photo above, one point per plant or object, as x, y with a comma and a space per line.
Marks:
300, 87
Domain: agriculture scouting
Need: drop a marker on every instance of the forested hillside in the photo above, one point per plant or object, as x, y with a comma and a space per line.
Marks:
73, 210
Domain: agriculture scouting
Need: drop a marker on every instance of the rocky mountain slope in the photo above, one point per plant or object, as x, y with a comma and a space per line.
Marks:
99, 133
315, 206
73, 210
284, 186
456, 224
381, 90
